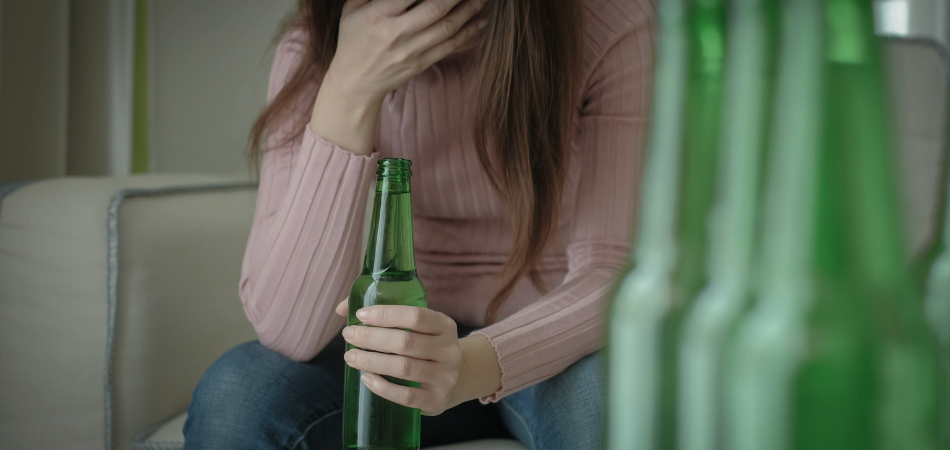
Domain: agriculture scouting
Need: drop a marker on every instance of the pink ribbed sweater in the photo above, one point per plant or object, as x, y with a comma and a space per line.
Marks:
304, 249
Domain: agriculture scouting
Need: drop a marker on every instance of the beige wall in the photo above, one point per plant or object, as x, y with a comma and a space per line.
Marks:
65, 88
33, 98
210, 62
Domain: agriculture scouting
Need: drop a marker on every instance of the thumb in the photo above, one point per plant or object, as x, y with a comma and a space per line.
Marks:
343, 309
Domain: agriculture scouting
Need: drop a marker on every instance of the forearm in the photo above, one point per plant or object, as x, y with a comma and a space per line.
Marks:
480, 374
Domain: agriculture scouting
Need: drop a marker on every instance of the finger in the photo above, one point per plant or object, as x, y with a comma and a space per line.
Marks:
401, 367
420, 320
466, 35
393, 7
427, 13
448, 27
343, 309
403, 395
388, 340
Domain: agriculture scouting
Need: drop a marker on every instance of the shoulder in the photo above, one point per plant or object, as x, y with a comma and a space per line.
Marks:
610, 23
293, 43
288, 55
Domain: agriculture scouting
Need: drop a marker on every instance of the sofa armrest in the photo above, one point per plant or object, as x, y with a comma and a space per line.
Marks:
115, 295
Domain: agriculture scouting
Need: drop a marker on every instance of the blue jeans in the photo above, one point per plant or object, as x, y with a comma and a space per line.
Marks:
255, 398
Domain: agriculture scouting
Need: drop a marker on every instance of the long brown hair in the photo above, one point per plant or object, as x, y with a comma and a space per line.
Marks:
525, 91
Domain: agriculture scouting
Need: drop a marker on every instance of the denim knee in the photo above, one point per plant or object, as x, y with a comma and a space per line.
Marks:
563, 412
253, 397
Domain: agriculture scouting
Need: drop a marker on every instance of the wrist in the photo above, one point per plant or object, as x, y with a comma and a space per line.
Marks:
346, 118
480, 374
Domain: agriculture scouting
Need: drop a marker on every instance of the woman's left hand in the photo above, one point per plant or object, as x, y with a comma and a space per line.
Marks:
429, 354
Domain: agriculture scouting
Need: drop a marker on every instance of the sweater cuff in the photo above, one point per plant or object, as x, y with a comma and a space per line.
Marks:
516, 371
333, 152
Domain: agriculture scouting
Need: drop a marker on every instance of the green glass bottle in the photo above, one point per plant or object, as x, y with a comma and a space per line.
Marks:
388, 277
835, 354
667, 267
750, 72
645, 288
706, 21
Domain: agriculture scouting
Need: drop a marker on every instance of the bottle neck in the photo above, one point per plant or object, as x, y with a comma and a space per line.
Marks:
857, 125
390, 246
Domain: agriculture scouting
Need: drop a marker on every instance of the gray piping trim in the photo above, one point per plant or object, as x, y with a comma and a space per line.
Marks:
112, 279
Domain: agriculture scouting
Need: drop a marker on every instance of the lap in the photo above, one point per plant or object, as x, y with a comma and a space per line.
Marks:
253, 397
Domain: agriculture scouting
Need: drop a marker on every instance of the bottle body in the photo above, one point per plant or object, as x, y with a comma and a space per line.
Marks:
643, 294
710, 320
388, 277
706, 20
667, 267
370, 421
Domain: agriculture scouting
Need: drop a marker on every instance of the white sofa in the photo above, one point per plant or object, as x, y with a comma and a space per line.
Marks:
115, 295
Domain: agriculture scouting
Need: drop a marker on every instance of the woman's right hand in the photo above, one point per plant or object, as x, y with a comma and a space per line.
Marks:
381, 46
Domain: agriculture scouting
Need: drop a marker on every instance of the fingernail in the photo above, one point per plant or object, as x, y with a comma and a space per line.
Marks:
365, 378
362, 314
349, 356
348, 332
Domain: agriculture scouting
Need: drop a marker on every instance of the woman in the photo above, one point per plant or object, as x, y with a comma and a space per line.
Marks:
524, 120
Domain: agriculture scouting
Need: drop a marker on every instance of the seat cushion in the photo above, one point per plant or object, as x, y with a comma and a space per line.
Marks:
167, 436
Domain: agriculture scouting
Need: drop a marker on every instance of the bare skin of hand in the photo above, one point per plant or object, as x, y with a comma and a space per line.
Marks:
449, 370
382, 45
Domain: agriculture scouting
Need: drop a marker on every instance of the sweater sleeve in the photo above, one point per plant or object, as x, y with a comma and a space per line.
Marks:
567, 323
303, 250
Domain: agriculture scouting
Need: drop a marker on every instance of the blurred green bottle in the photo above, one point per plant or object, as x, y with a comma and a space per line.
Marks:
388, 277
750, 72
704, 105
936, 265
677, 196
835, 354
644, 291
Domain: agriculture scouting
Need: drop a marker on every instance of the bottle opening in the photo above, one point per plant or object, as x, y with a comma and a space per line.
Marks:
394, 167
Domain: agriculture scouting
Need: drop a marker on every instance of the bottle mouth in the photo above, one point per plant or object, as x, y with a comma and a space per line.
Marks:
397, 167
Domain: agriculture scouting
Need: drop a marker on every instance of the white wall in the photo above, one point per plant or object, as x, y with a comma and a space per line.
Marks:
209, 66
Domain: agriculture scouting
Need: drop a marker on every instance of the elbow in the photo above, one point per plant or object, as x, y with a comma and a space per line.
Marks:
604, 256
275, 335
287, 348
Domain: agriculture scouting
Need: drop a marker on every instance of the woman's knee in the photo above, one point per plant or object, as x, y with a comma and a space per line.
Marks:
233, 379
563, 412
254, 396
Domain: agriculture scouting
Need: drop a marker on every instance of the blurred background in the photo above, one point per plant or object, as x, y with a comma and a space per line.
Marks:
111, 87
